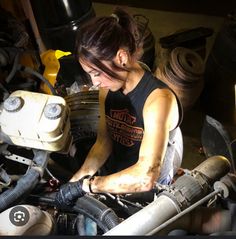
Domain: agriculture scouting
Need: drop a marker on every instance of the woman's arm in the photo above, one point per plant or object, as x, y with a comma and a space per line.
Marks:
160, 116
100, 151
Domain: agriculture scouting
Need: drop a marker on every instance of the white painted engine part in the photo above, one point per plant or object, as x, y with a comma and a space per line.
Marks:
36, 120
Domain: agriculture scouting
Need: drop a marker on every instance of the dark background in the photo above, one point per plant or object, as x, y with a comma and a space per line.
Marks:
208, 7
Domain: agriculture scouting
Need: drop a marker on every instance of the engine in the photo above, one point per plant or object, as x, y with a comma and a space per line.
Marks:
41, 124
44, 138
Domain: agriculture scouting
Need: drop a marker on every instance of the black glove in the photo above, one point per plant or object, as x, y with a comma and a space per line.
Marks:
69, 193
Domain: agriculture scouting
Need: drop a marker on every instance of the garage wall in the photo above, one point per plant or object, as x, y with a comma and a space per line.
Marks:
208, 7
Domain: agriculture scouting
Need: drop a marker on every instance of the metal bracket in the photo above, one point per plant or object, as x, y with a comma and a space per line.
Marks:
19, 159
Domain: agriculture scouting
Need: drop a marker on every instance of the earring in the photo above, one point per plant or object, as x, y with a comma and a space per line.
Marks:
123, 64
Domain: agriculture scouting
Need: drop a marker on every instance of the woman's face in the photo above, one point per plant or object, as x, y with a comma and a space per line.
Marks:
100, 78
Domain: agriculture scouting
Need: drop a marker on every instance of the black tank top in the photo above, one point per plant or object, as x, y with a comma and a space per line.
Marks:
124, 119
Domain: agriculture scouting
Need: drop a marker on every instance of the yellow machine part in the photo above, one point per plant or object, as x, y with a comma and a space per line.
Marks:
50, 60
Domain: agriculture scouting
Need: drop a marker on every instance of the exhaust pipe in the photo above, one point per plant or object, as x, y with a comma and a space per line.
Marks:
187, 190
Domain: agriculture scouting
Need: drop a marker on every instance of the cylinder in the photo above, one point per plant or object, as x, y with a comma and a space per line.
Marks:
216, 167
59, 20
183, 71
146, 219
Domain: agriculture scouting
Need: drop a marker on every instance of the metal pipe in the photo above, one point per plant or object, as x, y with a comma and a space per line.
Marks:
187, 210
215, 168
172, 202
146, 219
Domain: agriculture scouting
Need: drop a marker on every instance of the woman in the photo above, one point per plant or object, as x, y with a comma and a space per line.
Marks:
139, 141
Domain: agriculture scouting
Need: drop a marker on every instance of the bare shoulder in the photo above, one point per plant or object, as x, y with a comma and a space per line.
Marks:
162, 105
161, 95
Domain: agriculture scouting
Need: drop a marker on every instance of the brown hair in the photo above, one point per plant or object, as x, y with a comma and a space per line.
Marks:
100, 38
